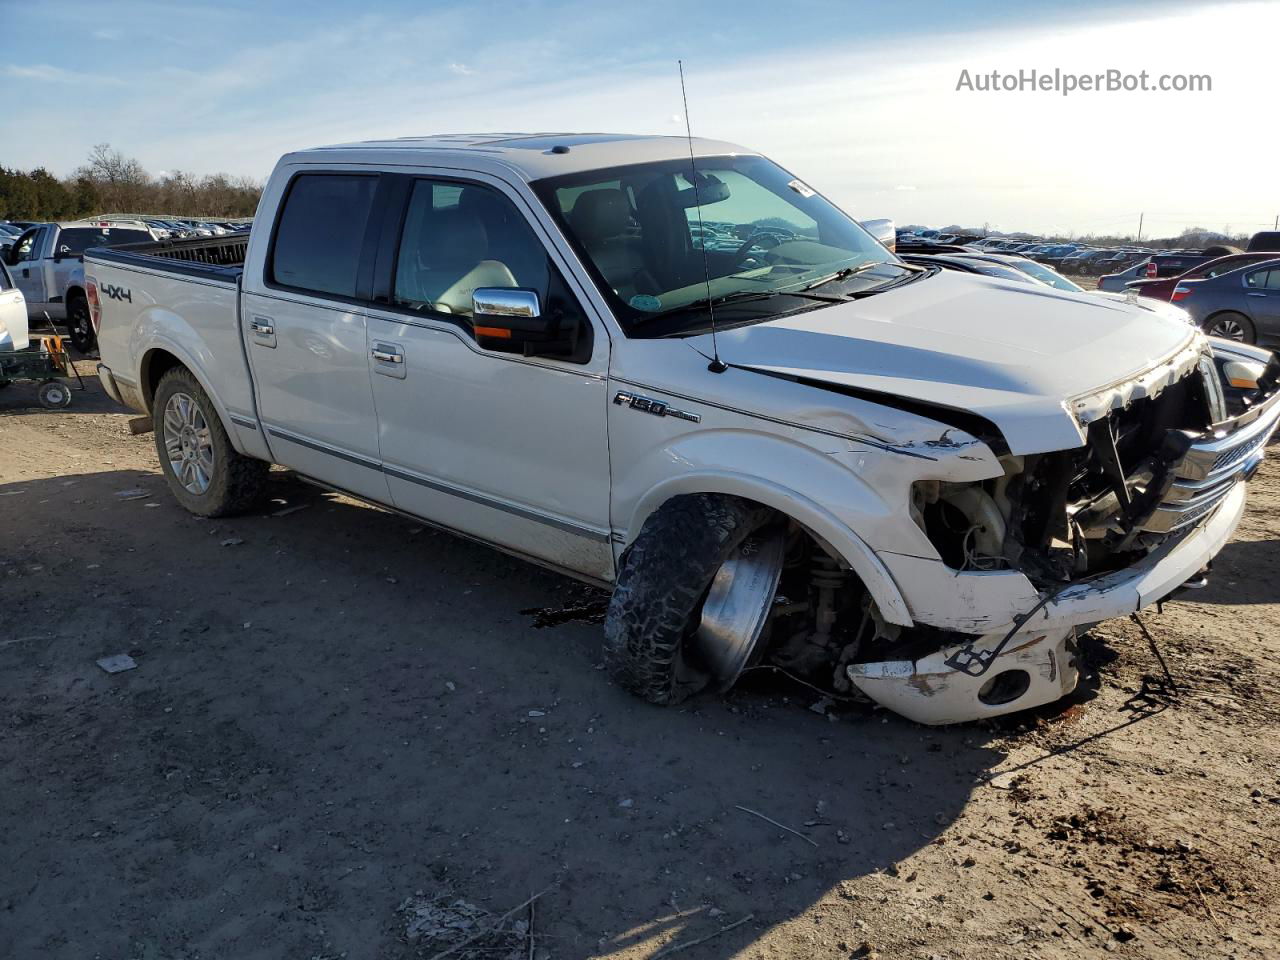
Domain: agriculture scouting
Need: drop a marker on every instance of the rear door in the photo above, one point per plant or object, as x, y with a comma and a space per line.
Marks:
1262, 301
304, 330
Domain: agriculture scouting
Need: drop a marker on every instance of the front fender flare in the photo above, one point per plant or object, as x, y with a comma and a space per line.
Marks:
815, 518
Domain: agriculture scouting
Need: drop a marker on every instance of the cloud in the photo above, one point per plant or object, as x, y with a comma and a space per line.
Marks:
905, 188
461, 69
47, 73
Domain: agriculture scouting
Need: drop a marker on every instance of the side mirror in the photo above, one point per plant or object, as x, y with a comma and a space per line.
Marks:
510, 319
883, 230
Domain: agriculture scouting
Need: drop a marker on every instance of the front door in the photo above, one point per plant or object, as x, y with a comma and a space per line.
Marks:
304, 329
507, 448
28, 269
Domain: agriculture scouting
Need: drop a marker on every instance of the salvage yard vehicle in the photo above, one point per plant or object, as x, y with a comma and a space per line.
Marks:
888, 480
1242, 304
47, 263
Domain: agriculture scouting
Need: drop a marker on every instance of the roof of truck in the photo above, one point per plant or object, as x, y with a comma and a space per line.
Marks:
534, 155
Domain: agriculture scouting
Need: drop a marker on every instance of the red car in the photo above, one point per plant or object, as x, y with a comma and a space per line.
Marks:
1163, 289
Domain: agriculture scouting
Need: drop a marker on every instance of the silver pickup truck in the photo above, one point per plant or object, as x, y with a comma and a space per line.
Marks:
697, 382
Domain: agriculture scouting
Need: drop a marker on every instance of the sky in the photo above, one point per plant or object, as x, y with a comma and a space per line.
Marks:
858, 98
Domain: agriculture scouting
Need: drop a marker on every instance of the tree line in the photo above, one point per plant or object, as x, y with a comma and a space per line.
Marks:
110, 182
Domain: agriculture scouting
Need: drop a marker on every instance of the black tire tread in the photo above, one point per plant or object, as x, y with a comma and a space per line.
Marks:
660, 588
89, 341
238, 481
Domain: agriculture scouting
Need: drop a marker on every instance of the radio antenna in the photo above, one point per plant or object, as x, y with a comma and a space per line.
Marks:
717, 365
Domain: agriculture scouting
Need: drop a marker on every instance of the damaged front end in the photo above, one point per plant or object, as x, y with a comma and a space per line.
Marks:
1094, 532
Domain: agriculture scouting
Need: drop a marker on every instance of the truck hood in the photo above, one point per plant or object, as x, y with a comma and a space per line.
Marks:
1038, 363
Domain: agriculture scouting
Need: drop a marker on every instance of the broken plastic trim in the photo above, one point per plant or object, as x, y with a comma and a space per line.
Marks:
974, 662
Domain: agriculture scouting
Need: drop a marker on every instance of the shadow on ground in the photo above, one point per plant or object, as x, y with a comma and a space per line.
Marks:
334, 707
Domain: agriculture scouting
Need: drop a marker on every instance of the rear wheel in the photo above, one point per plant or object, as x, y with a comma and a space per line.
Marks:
1231, 326
205, 473
80, 326
692, 597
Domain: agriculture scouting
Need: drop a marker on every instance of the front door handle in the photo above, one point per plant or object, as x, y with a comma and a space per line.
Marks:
388, 359
1255, 294
264, 331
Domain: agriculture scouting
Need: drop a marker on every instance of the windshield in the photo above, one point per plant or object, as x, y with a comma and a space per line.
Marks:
651, 237
1045, 275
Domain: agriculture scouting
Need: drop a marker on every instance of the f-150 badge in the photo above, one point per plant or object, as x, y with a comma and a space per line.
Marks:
656, 407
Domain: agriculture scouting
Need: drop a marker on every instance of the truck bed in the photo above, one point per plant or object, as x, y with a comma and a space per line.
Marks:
219, 258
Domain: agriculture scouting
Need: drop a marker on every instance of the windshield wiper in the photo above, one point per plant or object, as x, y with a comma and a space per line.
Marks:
848, 272
747, 296
844, 274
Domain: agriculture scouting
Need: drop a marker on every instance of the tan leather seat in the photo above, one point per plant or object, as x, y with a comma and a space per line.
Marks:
601, 220
449, 263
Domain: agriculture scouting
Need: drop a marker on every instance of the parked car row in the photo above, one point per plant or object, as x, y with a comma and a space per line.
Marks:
173, 229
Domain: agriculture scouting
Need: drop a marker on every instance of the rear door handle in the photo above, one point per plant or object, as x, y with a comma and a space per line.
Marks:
1255, 294
388, 360
264, 331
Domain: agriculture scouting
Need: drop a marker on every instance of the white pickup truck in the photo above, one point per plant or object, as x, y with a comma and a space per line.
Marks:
794, 451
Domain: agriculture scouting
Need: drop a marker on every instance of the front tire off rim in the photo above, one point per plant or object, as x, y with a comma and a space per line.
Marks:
188, 444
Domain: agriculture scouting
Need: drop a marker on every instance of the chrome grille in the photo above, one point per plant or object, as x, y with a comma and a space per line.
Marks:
1234, 455
1212, 467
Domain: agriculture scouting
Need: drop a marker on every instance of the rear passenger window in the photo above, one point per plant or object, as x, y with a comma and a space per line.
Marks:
321, 233
1264, 279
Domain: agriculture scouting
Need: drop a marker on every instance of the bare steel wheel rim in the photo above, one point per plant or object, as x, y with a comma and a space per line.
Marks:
1228, 329
737, 606
188, 444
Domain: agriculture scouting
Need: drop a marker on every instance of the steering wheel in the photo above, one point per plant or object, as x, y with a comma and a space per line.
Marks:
756, 239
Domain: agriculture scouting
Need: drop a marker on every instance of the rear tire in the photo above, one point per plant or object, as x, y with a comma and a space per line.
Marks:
662, 585
1231, 326
205, 473
80, 326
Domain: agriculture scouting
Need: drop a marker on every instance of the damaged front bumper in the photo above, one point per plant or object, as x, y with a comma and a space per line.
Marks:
1198, 515
1035, 667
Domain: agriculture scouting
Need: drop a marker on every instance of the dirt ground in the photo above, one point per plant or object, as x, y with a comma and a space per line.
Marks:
346, 732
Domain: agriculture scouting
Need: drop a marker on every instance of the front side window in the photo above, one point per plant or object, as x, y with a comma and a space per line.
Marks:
24, 247
746, 237
320, 233
459, 237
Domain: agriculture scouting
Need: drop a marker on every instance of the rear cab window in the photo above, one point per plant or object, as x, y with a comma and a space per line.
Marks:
320, 233
73, 241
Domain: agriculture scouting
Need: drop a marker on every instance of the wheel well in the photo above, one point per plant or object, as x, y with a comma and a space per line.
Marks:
154, 366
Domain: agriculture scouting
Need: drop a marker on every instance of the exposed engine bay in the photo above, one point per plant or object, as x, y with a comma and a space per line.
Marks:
1151, 470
